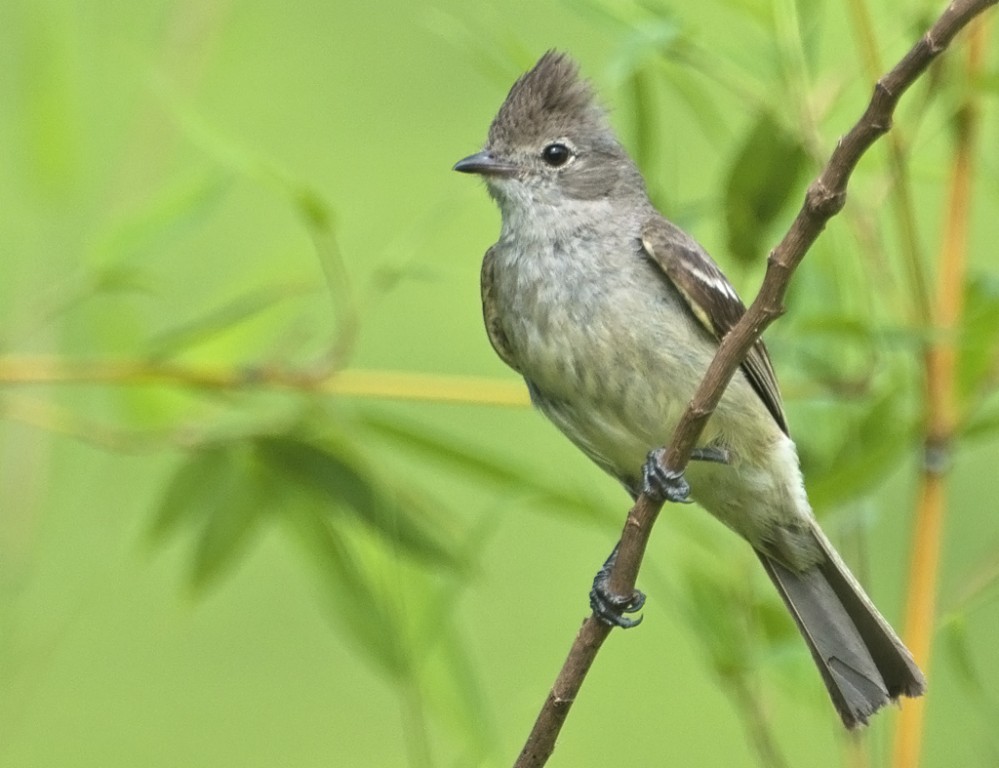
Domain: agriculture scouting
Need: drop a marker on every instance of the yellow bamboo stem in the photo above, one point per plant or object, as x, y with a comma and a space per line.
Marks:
393, 385
942, 412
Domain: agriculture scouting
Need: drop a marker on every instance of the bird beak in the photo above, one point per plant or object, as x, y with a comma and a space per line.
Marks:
485, 164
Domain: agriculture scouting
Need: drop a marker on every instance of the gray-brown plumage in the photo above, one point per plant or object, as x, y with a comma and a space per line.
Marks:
612, 315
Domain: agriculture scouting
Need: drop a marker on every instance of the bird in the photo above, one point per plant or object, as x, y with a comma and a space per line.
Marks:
612, 314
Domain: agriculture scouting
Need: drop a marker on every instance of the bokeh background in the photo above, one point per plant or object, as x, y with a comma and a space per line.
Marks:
215, 550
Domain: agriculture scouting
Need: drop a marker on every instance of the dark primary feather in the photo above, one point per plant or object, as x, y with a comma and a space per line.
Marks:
712, 300
862, 662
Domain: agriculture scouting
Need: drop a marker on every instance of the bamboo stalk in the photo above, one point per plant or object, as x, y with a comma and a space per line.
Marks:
942, 410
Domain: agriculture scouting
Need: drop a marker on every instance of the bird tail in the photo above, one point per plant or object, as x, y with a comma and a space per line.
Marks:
862, 661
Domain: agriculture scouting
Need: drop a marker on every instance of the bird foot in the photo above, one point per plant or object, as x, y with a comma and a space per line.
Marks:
609, 608
663, 484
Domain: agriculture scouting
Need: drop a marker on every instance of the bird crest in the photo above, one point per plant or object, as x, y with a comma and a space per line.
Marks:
548, 101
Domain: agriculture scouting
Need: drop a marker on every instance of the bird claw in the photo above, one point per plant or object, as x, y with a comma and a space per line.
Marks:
609, 608
661, 483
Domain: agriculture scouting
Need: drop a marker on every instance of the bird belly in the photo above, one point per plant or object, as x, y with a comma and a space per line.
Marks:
613, 362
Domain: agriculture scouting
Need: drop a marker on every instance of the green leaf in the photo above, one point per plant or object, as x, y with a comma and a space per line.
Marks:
203, 328
362, 614
471, 462
641, 106
711, 120
712, 602
245, 496
983, 423
222, 495
979, 335
877, 441
193, 492
762, 178
954, 633
124, 279
759, 11
170, 213
988, 82
337, 482
43, 95
452, 679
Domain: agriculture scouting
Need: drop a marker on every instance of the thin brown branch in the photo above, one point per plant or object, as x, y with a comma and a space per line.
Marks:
942, 407
825, 198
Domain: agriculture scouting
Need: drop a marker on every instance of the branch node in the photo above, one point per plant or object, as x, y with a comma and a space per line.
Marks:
882, 93
698, 412
932, 46
823, 201
772, 309
937, 456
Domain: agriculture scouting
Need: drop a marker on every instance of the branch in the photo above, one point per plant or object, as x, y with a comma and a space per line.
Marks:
824, 199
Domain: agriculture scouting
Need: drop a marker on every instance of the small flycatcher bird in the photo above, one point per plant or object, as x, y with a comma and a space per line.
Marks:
612, 315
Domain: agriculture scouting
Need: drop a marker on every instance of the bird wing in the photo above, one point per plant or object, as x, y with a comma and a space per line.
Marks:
491, 315
711, 299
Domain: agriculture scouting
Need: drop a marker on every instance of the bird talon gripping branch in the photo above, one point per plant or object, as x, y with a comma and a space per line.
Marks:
663, 484
609, 607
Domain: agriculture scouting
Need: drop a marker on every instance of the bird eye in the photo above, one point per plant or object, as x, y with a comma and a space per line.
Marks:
556, 155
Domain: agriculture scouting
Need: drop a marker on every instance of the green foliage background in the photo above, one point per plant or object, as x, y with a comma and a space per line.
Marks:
248, 575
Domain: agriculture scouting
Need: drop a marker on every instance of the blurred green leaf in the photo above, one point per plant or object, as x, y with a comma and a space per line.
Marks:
315, 210
220, 493
203, 328
471, 461
711, 120
123, 278
498, 57
170, 212
954, 631
317, 215
459, 692
760, 11
652, 36
982, 423
761, 180
711, 602
838, 326
872, 447
364, 615
399, 618
810, 29
194, 491
658, 45
45, 98
778, 629
224, 489
979, 585
641, 101
334, 479
979, 336
228, 531
837, 351
989, 82
621, 17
